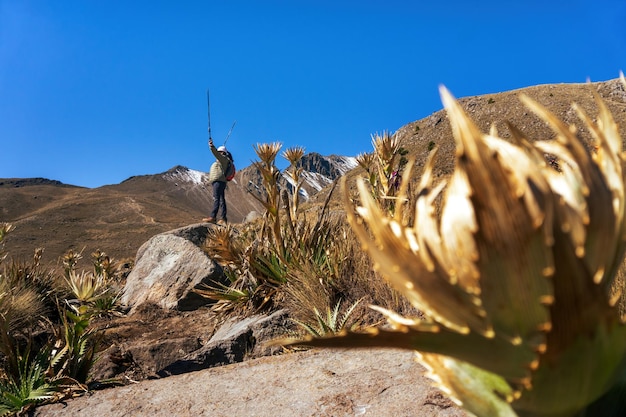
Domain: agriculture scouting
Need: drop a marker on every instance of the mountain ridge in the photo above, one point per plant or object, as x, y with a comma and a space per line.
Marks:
118, 218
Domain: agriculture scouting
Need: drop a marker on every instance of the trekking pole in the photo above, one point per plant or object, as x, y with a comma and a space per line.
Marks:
208, 103
229, 132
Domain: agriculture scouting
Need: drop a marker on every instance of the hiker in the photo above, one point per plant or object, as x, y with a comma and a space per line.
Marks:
217, 179
395, 181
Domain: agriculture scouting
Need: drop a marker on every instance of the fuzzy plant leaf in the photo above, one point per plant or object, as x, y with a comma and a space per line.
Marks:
461, 380
513, 263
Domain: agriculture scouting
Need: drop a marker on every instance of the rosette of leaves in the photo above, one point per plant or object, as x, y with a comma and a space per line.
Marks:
514, 269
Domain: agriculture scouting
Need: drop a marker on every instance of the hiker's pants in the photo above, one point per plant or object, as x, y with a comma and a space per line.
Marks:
219, 199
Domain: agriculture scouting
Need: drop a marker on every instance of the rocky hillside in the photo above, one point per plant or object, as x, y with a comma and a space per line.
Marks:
506, 108
118, 218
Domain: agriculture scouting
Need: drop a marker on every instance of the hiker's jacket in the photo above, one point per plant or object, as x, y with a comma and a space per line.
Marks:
218, 168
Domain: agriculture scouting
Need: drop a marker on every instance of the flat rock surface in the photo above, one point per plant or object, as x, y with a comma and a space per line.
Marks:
377, 382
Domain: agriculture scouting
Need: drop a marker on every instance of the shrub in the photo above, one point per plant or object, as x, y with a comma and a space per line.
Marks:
46, 342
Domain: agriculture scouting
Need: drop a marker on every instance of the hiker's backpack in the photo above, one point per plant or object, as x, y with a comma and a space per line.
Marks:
230, 171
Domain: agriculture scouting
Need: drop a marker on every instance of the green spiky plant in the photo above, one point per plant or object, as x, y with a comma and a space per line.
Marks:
75, 350
516, 273
22, 382
20, 308
29, 387
57, 364
241, 256
331, 322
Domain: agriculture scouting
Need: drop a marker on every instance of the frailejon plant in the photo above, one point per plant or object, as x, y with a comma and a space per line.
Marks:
86, 287
294, 155
515, 274
98, 291
20, 307
65, 357
237, 252
289, 259
78, 344
28, 387
384, 169
270, 173
330, 323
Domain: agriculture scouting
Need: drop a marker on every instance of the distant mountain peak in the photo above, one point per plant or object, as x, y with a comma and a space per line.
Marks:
332, 166
24, 182
320, 171
181, 173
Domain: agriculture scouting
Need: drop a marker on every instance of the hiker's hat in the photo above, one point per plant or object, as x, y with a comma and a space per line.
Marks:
222, 149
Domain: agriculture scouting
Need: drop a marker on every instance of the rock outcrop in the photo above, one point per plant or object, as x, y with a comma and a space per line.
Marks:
341, 383
175, 331
234, 341
168, 267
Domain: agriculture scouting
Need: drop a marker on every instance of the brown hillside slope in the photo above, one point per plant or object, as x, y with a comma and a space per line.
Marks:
502, 107
420, 136
116, 219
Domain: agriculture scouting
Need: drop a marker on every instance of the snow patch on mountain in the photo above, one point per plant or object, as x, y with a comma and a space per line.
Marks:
317, 172
292, 185
183, 174
320, 171
315, 180
345, 163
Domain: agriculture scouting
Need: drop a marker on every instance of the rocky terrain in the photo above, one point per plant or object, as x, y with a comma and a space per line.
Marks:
183, 361
173, 357
381, 383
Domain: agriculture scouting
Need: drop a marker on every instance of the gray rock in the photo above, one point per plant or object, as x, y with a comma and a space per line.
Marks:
314, 383
195, 233
233, 342
168, 268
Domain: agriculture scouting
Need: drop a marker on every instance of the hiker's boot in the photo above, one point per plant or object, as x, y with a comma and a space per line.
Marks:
209, 220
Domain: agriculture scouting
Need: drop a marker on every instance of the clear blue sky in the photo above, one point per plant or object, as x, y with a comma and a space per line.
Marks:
93, 92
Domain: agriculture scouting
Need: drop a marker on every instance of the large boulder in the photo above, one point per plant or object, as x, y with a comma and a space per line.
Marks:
137, 346
168, 267
312, 383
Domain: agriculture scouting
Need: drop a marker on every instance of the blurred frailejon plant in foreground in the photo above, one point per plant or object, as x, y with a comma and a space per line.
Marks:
516, 275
